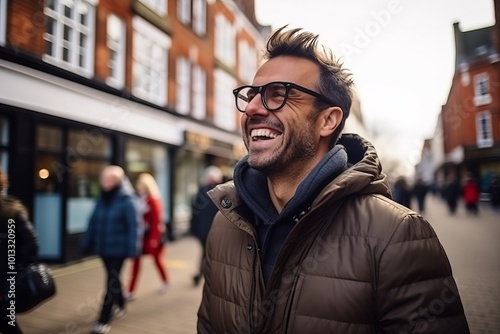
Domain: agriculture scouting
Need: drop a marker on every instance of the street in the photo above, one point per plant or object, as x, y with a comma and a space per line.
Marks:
472, 244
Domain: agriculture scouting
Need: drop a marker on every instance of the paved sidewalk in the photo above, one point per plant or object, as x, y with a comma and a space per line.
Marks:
80, 289
472, 244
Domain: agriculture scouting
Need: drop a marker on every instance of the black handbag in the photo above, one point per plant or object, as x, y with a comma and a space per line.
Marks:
34, 285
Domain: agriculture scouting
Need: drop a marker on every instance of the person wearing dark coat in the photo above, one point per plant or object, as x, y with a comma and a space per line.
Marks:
420, 191
401, 192
451, 193
203, 211
14, 221
113, 234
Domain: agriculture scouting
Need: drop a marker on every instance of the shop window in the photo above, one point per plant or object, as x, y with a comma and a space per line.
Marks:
69, 35
88, 152
48, 190
143, 156
4, 142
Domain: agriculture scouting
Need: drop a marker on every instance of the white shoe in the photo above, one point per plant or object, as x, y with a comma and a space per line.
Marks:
164, 287
100, 328
129, 296
118, 313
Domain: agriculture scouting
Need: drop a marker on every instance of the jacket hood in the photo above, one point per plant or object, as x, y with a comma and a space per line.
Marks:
362, 175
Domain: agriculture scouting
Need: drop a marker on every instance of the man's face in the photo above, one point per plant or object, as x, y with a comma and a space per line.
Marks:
286, 139
109, 179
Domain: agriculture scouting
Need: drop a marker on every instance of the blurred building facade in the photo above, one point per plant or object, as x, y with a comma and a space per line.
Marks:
145, 84
467, 135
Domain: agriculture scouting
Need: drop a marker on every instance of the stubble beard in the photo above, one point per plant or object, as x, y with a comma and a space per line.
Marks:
298, 150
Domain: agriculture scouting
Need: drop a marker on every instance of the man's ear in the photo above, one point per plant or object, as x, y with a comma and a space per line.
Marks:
330, 119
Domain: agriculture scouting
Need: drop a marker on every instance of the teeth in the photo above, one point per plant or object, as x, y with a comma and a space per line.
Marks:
263, 133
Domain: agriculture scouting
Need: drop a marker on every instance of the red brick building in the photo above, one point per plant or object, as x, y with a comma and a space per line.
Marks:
145, 84
470, 119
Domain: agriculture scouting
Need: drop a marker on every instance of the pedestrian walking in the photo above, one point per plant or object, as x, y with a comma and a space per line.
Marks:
112, 233
420, 190
154, 237
307, 239
451, 193
203, 211
14, 226
402, 192
471, 195
494, 189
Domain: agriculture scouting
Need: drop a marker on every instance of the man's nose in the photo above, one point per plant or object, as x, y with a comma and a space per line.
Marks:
255, 107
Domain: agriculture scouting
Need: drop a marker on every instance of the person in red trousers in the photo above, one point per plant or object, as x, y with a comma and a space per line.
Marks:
470, 192
154, 232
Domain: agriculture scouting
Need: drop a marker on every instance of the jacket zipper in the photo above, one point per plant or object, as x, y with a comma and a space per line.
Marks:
252, 296
292, 297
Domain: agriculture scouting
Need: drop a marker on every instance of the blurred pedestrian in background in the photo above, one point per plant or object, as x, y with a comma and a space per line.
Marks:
451, 192
494, 189
471, 194
401, 192
154, 237
112, 234
203, 211
307, 239
13, 217
420, 191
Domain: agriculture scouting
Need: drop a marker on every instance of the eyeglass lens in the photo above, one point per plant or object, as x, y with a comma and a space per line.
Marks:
273, 96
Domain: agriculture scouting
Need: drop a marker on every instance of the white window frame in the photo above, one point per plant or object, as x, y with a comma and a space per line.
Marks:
116, 42
184, 11
200, 17
158, 6
148, 41
183, 81
225, 113
482, 97
484, 128
247, 61
199, 92
77, 29
3, 22
225, 40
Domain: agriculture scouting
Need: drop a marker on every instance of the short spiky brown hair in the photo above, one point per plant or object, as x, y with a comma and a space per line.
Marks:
335, 81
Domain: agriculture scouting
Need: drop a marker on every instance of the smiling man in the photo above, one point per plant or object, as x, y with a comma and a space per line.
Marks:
307, 238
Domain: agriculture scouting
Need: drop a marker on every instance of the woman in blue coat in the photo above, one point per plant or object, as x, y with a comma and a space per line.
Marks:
113, 235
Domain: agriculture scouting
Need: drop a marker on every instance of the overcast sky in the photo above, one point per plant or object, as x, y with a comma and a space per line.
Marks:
401, 53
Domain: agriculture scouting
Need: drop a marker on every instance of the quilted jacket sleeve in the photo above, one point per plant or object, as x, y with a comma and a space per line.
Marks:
204, 323
416, 292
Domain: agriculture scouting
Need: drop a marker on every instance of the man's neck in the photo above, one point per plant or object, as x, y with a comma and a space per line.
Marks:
283, 187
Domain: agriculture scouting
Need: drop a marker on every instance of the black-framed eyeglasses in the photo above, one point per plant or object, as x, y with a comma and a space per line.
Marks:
273, 94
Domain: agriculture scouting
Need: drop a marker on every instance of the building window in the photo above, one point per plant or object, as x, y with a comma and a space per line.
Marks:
483, 129
482, 94
184, 11
225, 113
199, 92
224, 40
183, 78
69, 35
247, 61
116, 41
158, 6
150, 62
3, 21
200, 17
